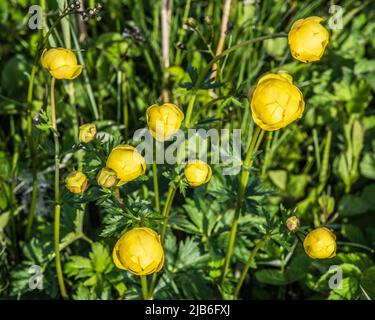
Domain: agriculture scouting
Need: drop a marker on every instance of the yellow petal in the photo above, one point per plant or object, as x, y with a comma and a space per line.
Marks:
66, 72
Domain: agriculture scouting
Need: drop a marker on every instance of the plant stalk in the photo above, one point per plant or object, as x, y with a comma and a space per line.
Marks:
166, 210
156, 185
248, 264
254, 145
144, 287
59, 272
189, 110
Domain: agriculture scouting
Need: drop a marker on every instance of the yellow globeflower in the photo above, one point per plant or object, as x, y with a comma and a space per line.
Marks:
76, 182
126, 162
61, 63
87, 132
308, 39
320, 243
197, 172
107, 178
139, 251
163, 121
276, 102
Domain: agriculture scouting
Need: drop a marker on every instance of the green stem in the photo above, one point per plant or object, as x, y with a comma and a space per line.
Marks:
156, 185
125, 108
13, 200
42, 43
266, 156
254, 145
182, 31
248, 264
144, 287
59, 272
355, 245
31, 213
189, 110
166, 210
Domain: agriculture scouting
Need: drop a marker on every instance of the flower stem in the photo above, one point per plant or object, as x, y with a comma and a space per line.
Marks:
248, 264
166, 210
144, 287
189, 110
30, 215
254, 145
155, 179
59, 272
41, 44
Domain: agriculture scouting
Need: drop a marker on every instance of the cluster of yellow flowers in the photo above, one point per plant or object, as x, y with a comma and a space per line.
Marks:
139, 250
275, 103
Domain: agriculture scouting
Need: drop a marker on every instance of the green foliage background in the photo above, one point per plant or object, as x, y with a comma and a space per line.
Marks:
321, 168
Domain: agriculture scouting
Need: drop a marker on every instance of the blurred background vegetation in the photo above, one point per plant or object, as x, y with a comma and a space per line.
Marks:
323, 165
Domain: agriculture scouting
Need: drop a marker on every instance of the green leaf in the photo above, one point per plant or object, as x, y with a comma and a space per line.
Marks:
101, 258
368, 283
367, 165
78, 267
353, 233
279, 178
351, 205
348, 290
271, 276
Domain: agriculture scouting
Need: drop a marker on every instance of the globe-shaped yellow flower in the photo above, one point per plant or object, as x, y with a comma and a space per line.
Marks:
276, 102
126, 162
61, 63
320, 243
308, 39
197, 172
76, 182
107, 178
139, 251
87, 132
163, 121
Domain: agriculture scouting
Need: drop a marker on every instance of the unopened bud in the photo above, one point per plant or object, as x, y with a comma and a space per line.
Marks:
87, 132
292, 223
107, 178
191, 22
76, 182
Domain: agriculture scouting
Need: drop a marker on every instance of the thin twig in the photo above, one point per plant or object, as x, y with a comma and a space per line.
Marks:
223, 32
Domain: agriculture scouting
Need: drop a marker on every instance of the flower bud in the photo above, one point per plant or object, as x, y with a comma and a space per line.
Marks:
320, 243
191, 22
139, 251
76, 182
308, 39
276, 102
292, 223
163, 121
61, 63
126, 162
87, 132
197, 172
107, 178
